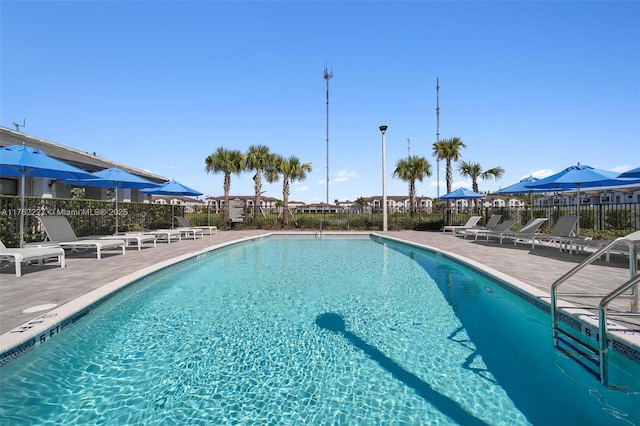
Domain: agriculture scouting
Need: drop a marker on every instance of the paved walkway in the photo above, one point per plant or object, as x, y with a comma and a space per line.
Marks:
539, 268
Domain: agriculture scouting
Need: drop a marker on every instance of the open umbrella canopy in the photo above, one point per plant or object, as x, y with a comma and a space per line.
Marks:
579, 176
22, 161
112, 178
462, 194
520, 188
633, 173
172, 188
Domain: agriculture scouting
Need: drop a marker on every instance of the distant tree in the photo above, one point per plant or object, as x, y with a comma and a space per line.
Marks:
258, 158
409, 170
474, 171
449, 151
228, 162
361, 202
291, 170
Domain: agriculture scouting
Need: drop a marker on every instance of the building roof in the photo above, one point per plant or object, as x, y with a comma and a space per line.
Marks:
83, 160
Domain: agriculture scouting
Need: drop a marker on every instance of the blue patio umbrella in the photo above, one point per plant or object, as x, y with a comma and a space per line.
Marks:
113, 178
633, 173
577, 177
172, 188
520, 188
22, 161
462, 194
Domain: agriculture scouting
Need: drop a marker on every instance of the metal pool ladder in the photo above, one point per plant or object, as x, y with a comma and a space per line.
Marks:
628, 290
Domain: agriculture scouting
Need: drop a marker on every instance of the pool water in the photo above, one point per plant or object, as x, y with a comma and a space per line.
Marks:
302, 331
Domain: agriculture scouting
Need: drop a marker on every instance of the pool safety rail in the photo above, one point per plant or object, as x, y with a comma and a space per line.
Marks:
628, 290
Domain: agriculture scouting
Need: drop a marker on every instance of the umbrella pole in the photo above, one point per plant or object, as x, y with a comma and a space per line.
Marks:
116, 208
578, 223
22, 211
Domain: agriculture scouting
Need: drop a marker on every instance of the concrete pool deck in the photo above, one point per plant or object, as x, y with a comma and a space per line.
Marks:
40, 289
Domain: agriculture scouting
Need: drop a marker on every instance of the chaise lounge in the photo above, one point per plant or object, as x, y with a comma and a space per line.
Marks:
491, 224
59, 230
560, 234
473, 221
527, 231
184, 223
26, 255
505, 226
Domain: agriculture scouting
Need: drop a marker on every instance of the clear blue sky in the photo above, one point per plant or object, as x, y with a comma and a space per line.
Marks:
533, 87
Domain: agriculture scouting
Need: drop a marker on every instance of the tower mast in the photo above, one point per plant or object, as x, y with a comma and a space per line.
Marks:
438, 135
327, 76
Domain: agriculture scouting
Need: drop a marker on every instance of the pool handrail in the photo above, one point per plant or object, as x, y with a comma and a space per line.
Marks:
631, 284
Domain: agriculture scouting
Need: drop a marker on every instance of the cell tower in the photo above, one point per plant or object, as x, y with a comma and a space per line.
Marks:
438, 135
408, 147
327, 76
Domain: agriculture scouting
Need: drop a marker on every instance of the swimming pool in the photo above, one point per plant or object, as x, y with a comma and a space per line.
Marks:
311, 331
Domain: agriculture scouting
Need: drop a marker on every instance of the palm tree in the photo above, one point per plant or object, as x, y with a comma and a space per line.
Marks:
292, 170
474, 171
258, 158
227, 161
409, 170
448, 150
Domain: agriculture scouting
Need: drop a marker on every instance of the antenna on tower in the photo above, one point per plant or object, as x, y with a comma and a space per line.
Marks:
408, 147
18, 125
327, 76
438, 135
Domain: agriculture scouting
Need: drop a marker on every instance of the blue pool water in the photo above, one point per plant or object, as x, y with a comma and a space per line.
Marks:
300, 331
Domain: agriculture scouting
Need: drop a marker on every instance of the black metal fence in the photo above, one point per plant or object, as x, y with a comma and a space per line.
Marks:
94, 217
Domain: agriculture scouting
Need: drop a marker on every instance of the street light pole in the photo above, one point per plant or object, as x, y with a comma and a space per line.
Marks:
383, 129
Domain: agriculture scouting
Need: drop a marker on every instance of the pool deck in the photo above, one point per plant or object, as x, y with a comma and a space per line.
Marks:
52, 285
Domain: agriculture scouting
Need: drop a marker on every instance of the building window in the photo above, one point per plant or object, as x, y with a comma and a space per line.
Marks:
8, 186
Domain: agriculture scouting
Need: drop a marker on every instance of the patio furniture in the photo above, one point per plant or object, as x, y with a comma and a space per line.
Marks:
471, 222
18, 256
526, 232
59, 230
184, 222
561, 232
491, 224
505, 226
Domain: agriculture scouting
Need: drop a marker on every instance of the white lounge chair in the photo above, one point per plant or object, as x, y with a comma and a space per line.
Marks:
191, 232
527, 230
59, 230
165, 234
130, 237
25, 255
562, 232
473, 221
184, 223
491, 224
505, 226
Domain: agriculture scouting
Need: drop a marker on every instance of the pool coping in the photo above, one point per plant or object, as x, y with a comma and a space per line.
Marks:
41, 329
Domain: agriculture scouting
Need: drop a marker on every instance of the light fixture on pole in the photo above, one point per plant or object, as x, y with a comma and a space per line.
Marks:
383, 129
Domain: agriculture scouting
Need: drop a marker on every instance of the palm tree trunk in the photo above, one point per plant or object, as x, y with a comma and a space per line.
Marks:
258, 189
227, 189
285, 201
